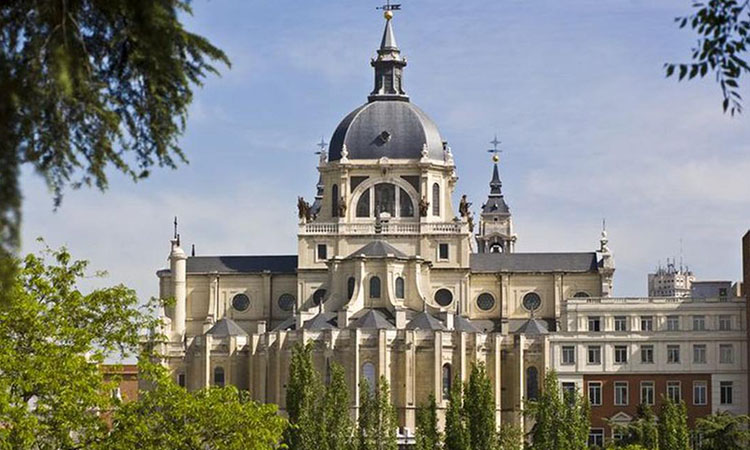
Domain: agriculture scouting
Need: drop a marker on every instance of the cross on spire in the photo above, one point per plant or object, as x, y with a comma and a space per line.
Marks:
494, 150
322, 145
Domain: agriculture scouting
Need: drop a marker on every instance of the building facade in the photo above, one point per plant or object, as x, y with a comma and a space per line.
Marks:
670, 281
391, 280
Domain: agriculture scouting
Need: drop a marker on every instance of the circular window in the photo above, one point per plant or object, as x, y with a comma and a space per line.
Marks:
443, 297
318, 296
240, 302
286, 302
532, 301
485, 301
581, 294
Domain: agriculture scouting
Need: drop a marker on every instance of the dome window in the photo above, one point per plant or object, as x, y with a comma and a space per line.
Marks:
435, 199
363, 204
335, 200
375, 287
400, 287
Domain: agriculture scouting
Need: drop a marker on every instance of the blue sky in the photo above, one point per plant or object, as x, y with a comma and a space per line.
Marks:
574, 89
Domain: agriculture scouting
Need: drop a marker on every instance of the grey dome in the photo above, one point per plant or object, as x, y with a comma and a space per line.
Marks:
391, 128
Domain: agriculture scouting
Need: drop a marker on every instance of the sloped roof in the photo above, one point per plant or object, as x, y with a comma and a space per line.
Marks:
424, 321
288, 324
533, 262
242, 264
378, 249
373, 319
533, 327
226, 327
461, 323
322, 321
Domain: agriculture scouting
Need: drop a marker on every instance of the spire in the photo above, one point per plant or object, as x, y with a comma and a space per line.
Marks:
495, 201
388, 65
495, 184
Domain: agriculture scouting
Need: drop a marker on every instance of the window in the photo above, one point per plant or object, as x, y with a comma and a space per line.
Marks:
400, 287
443, 297
647, 354
595, 323
319, 296
673, 354
699, 354
699, 323
447, 379
595, 393
674, 391
596, 437
435, 199
181, 380
621, 323
532, 301
443, 251
726, 392
368, 374
335, 200
363, 204
350, 284
595, 354
568, 355
219, 376
485, 301
700, 393
647, 323
322, 252
647, 392
726, 354
241, 302
581, 294
286, 302
621, 354
621, 393
385, 199
673, 323
725, 323
532, 383
406, 205
375, 287
568, 390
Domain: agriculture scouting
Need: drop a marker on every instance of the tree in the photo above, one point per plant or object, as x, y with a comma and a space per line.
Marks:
456, 433
168, 416
673, 429
303, 395
560, 422
510, 437
723, 431
479, 409
643, 430
337, 426
377, 418
92, 84
723, 28
427, 433
54, 337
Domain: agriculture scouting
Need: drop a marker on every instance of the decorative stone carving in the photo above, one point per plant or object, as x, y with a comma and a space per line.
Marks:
303, 210
342, 207
424, 206
463, 206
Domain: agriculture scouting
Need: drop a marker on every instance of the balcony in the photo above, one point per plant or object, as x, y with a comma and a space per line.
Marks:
350, 229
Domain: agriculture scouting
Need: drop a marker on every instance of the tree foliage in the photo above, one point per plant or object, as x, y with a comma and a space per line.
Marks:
54, 337
642, 431
377, 417
479, 409
337, 426
560, 421
91, 84
427, 433
510, 437
724, 431
456, 432
303, 394
723, 29
673, 429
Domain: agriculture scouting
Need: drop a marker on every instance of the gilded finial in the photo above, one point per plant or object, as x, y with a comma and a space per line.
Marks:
388, 15
495, 158
388, 9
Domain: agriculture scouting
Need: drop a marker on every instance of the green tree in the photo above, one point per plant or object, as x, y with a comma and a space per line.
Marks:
724, 431
456, 433
560, 422
510, 437
377, 417
92, 84
479, 409
303, 393
575, 422
54, 337
168, 416
643, 430
337, 426
723, 28
366, 434
427, 433
673, 429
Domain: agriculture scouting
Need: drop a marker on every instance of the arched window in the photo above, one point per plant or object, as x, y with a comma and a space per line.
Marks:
319, 296
335, 200
496, 248
532, 383
219, 376
363, 204
406, 206
350, 287
368, 374
400, 287
581, 294
374, 287
385, 198
447, 380
435, 199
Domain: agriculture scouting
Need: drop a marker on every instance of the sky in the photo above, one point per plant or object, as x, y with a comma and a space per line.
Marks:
575, 90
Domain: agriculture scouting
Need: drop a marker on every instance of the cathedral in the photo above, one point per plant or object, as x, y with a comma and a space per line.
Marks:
395, 277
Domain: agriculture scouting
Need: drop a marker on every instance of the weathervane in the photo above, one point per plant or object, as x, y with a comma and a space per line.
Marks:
494, 150
388, 9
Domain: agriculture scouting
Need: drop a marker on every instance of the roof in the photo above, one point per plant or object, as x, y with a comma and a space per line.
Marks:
226, 327
379, 249
461, 323
533, 327
424, 321
322, 321
289, 323
382, 128
242, 264
533, 262
495, 202
373, 319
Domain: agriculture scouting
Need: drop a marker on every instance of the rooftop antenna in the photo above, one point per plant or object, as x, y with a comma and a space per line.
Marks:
176, 234
680, 254
494, 150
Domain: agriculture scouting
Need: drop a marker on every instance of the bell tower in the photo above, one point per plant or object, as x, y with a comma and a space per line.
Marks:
495, 222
